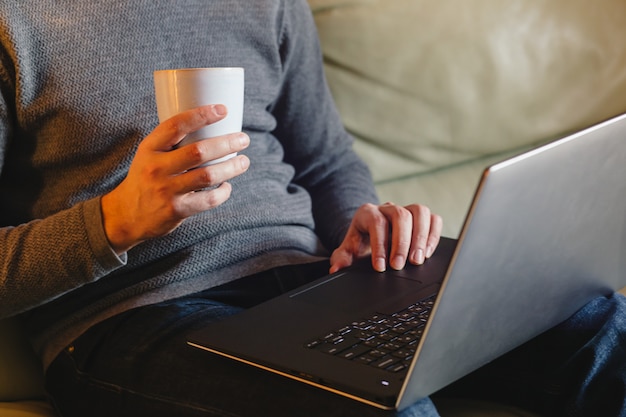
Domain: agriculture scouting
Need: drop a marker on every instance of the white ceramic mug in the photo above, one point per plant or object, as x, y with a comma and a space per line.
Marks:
178, 90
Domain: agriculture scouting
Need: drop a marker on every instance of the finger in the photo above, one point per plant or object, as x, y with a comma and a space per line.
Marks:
420, 233
401, 221
202, 200
340, 259
169, 133
354, 245
377, 229
212, 175
198, 153
436, 226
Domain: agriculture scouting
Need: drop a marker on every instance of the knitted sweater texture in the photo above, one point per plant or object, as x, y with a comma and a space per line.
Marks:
77, 98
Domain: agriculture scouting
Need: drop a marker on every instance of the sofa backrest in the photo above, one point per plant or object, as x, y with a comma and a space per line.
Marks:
424, 85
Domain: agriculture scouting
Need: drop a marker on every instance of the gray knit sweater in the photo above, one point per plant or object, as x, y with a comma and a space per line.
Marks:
77, 98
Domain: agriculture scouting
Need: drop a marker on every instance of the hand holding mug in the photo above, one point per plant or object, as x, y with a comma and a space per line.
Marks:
161, 188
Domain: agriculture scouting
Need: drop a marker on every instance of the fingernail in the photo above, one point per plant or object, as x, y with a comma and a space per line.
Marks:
380, 264
398, 263
219, 109
245, 163
429, 251
420, 256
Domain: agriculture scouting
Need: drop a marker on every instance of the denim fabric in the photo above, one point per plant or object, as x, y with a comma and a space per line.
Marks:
138, 363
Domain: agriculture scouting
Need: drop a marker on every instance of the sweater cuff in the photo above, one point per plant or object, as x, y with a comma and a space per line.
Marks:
94, 224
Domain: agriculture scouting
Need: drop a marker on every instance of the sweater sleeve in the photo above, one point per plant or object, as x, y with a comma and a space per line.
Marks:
311, 131
42, 259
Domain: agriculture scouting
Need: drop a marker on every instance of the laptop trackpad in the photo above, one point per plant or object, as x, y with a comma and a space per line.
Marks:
353, 291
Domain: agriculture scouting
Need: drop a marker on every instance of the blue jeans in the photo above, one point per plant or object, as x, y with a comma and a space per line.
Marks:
576, 369
138, 363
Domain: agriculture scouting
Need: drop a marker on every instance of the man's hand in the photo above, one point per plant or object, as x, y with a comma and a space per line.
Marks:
165, 185
391, 234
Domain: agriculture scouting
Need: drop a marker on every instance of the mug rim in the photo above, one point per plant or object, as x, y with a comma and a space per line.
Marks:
201, 69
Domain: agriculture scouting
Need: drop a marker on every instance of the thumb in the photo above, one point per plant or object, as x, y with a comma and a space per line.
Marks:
340, 259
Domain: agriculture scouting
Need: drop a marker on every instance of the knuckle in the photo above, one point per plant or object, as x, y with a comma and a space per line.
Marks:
204, 113
402, 214
419, 209
171, 211
397, 213
173, 127
425, 211
207, 114
195, 153
380, 221
421, 237
404, 243
383, 228
237, 141
206, 176
218, 196
151, 173
212, 199
369, 208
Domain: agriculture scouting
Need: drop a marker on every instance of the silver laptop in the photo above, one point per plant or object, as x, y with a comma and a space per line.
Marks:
546, 233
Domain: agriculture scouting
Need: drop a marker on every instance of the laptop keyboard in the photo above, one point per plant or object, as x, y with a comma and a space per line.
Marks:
383, 341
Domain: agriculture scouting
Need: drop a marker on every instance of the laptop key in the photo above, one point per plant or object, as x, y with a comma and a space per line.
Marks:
354, 352
385, 362
397, 367
403, 353
386, 341
365, 359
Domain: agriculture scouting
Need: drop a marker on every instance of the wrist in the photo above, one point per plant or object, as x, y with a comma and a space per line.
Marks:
115, 223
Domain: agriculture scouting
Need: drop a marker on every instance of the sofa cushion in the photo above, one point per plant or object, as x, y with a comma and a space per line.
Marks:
26, 409
427, 85
20, 371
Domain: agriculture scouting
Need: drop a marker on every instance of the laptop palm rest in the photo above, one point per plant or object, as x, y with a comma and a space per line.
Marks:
387, 292
273, 335
360, 289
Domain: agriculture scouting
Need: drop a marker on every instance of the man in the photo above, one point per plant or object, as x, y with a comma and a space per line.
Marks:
99, 210
110, 254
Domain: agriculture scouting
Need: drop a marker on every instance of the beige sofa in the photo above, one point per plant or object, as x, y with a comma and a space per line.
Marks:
434, 91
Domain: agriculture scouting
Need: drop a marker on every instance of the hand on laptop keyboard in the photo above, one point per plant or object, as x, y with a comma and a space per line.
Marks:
412, 233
